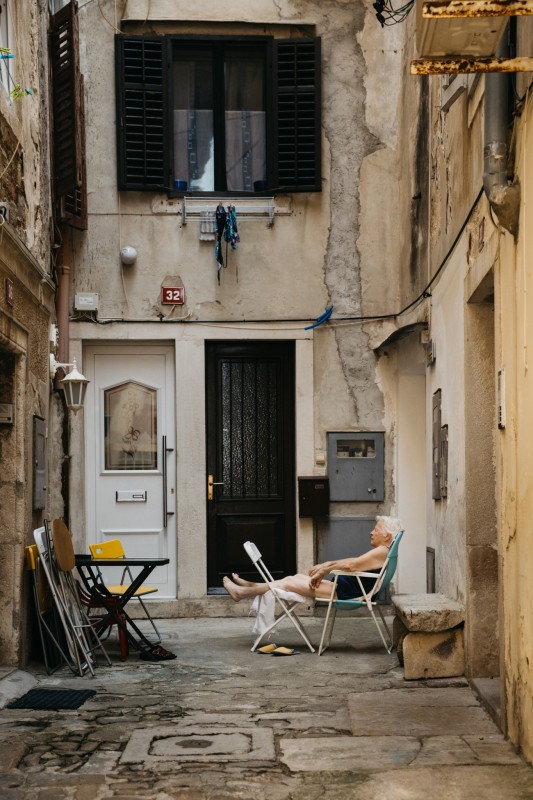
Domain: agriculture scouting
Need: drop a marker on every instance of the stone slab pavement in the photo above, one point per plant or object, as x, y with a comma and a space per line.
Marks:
221, 722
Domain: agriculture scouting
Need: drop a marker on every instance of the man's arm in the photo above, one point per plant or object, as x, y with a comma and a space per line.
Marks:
374, 559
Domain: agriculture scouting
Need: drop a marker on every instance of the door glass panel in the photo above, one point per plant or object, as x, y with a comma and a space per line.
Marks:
249, 399
130, 427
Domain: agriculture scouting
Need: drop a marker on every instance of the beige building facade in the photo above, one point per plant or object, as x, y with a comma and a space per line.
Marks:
514, 341
327, 234
477, 374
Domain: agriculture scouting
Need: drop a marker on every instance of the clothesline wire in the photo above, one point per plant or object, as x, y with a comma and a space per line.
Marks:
373, 317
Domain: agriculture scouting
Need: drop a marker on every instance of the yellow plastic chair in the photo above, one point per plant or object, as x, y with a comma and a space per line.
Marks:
113, 549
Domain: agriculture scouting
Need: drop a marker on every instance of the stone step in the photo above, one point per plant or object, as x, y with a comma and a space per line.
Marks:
428, 613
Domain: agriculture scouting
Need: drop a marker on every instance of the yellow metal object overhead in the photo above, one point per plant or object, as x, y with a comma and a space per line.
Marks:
459, 64
442, 9
475, 36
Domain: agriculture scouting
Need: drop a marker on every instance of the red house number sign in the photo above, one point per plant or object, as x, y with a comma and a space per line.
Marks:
172, 295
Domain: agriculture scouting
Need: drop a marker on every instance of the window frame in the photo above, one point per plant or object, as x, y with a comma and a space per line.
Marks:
219, 44
6, 40
293, 85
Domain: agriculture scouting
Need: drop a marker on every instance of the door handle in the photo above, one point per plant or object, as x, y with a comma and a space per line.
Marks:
166, 513
210, 483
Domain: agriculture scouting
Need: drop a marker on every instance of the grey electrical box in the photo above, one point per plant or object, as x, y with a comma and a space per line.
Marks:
39, 463
356, 466
86, 301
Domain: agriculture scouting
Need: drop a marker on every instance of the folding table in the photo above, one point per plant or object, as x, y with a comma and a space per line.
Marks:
115, 606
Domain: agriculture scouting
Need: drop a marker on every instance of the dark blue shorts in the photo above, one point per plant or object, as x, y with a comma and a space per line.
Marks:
348, 588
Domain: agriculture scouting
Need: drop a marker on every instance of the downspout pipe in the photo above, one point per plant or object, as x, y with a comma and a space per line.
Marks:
504, 197
63, 300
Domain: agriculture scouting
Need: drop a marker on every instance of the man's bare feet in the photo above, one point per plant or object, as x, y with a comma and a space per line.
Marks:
240, 581
232, 589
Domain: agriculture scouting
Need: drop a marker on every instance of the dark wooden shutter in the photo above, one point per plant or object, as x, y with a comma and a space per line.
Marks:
143, 161
66, 105
297, 118
436, 439
73, 205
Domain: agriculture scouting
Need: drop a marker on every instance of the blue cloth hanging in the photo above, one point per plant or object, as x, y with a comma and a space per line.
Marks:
231, 232
221, 217
321, 319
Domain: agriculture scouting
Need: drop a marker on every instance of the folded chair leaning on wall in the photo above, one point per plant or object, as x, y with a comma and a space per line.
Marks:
56, 556
284, 599
113, 549
367, 599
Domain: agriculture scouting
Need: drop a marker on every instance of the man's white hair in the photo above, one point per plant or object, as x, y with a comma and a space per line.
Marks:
391, 524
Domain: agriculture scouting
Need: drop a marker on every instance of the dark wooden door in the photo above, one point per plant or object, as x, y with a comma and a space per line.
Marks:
250, 458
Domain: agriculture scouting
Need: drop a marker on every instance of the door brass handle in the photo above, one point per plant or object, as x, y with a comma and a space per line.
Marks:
210, 483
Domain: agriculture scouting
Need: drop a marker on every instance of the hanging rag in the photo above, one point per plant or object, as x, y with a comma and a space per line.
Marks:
231, 232
220, 219
264, 608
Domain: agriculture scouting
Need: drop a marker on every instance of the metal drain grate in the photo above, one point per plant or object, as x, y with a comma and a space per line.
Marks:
52, 699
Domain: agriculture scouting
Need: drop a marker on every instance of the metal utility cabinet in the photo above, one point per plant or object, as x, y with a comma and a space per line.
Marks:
356, 466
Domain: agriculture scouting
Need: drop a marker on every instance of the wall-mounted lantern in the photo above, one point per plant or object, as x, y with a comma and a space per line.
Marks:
74, 383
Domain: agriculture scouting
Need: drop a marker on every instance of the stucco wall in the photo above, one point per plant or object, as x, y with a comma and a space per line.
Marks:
325, 248
515, 345
488, 562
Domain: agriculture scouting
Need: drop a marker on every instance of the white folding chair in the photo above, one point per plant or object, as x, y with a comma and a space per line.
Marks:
287, 605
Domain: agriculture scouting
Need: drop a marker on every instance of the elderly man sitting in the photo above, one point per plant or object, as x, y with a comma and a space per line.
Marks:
313, 584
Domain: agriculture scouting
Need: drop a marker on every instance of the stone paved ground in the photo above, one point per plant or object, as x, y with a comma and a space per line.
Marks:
222, 722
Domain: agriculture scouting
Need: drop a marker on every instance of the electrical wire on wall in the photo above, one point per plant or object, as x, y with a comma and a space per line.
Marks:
327, 315
389, 14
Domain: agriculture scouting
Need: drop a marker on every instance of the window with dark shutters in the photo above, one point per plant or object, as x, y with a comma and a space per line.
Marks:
150, 153
64, 55
297, 108
73, 205
143, 158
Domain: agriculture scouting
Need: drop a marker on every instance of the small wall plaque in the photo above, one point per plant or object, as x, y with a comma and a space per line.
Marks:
173, 295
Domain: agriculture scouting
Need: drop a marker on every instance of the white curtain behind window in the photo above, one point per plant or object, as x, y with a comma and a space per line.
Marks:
193, 149
245, 149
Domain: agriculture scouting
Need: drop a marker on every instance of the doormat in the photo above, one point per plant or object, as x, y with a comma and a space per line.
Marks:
52, 699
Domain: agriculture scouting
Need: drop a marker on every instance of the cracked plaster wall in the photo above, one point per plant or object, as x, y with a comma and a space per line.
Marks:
344, 246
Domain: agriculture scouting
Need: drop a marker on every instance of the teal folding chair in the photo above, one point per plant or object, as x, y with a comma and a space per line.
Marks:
367, 599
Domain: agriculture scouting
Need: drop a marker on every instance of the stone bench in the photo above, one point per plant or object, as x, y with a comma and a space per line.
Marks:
428, 635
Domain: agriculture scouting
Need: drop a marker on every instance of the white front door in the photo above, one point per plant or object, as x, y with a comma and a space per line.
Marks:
130, 445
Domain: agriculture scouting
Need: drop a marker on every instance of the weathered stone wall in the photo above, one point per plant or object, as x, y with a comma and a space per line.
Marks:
24, 348
25, 261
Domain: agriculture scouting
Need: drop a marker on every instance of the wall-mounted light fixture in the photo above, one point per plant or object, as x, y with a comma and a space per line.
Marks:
74, 383
128, 255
